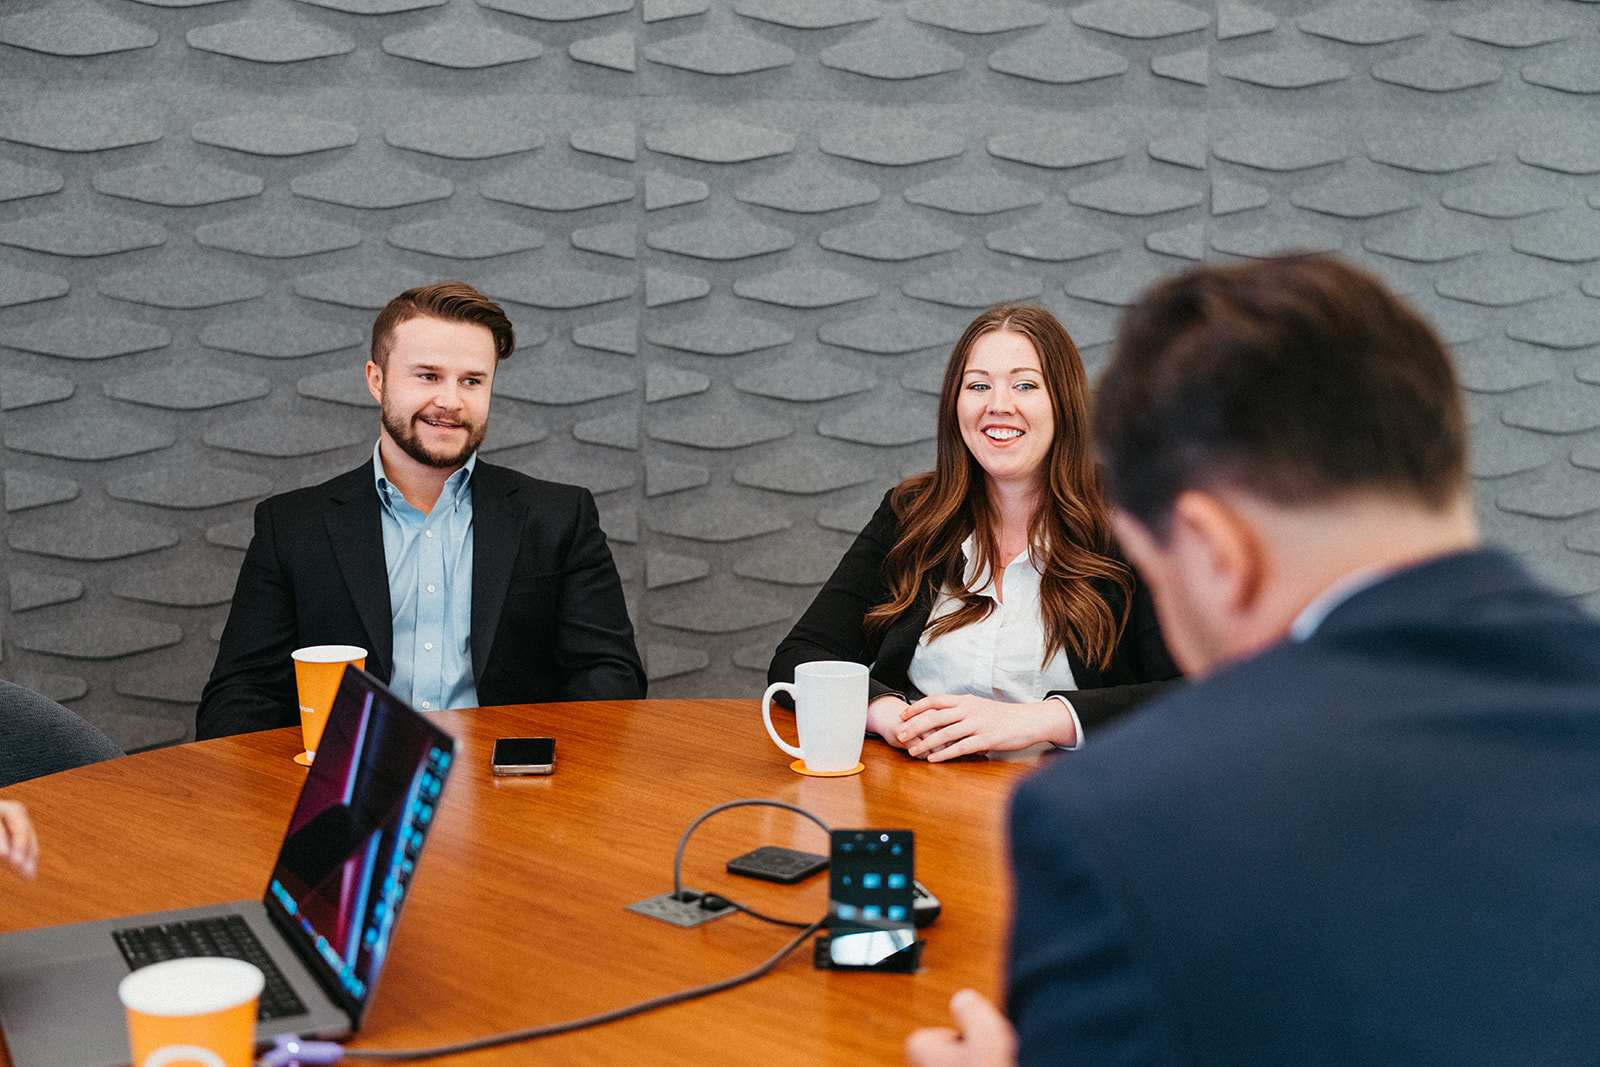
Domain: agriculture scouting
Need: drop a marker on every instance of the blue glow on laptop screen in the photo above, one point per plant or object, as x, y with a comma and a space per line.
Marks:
353, 841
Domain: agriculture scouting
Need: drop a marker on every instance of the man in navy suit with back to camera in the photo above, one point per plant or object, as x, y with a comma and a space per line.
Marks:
1368, 832
468, 584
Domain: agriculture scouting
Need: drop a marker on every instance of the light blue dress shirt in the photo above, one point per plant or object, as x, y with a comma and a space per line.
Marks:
429, 557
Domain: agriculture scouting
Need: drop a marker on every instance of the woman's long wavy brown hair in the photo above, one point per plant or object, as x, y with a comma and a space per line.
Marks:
1070, 532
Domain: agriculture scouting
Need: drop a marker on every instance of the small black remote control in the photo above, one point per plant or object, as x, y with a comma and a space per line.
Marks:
771, 863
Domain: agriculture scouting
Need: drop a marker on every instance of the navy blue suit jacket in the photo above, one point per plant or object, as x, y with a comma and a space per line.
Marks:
548, 618
1379, 846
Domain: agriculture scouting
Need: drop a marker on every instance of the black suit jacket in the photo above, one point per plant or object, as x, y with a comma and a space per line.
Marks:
831, 628
1378, 846
548, 617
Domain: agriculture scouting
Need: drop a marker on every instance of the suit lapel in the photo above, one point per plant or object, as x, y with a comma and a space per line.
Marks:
497, 519
356, 532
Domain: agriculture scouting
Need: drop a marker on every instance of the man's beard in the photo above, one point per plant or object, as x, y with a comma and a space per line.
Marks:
404, 433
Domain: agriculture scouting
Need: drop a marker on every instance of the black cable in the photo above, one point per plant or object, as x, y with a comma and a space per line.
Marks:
753, 913
666, 999
551, 1029
683, 842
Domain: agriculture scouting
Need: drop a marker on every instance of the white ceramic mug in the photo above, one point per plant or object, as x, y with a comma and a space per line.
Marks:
830, 706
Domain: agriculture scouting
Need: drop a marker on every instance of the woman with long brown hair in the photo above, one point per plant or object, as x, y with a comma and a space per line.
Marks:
986, 594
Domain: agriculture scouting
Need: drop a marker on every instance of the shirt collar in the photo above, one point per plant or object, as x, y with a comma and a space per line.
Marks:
455, 487
1323, 604
969, 574
969, 565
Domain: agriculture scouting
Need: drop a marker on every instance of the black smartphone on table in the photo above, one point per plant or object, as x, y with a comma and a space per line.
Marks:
524, 755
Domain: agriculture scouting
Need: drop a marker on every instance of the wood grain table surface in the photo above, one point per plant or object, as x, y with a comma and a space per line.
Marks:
517, 913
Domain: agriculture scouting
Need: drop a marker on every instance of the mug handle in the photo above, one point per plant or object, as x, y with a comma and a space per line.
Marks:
766, 717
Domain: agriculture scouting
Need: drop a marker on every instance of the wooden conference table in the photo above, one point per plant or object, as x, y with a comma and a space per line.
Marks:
516, 916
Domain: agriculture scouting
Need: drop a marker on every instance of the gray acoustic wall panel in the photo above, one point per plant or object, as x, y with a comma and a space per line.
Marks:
737, 238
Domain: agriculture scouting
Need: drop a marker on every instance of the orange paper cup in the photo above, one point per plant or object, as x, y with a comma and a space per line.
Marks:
198, 1012
317, 672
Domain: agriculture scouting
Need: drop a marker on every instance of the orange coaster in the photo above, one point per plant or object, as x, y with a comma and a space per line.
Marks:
799, 767
300, 758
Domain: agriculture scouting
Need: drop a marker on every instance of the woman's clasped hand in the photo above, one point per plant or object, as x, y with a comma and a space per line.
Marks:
947, 725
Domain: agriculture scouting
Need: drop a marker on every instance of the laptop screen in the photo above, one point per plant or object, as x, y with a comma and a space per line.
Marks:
355, 836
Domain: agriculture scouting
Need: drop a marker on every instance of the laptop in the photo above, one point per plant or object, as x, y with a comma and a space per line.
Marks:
324, 925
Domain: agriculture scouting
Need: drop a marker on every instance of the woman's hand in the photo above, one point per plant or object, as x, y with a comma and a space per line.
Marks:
942, 726
883, 718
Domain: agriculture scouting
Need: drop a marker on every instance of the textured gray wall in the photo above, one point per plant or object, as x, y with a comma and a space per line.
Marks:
736, 237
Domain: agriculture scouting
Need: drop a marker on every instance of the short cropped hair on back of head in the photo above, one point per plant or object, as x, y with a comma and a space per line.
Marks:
1298, 379
449, 301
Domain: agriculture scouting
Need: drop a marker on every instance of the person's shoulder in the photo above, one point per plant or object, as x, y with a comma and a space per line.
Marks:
491, 478
1199, 729
1482, 596
901, 498
340, 488
885, 517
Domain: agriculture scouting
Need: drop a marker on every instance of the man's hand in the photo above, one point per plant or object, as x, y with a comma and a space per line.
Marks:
18, 843
984, 1037
942, 726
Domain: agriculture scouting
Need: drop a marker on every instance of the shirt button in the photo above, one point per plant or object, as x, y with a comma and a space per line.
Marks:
426, 704
428, 532
430, 588
428, 646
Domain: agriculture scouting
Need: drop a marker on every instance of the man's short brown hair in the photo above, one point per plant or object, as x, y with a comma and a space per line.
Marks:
449, 301
1297, 378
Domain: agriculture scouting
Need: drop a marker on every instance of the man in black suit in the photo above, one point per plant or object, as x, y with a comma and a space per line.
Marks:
468, 584
1369, 831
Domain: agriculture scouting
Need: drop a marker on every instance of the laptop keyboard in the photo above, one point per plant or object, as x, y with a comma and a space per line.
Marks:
228, 936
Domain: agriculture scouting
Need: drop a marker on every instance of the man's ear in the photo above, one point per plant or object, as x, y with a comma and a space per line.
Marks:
1137, 543
1221, 551
375, 381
